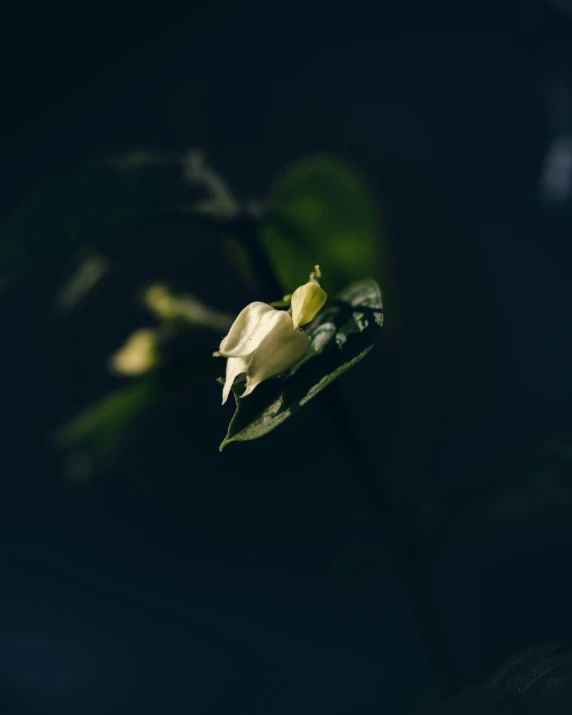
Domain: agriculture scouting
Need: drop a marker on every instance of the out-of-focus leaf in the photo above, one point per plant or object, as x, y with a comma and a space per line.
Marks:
237, 256
321, 211
535, 681
93, 438
92, 209
184, 309
542, 669
339, 338
88, 275
95, 435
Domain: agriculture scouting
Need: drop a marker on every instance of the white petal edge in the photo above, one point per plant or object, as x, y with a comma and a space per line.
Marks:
237, 340
234, 367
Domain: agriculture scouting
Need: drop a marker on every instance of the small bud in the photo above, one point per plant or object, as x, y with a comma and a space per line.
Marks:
138, 354
159, 300
308, 300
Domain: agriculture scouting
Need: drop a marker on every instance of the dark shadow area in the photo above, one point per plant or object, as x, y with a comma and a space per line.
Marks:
166, 577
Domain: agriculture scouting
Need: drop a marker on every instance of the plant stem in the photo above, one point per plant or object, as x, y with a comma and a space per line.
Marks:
409, 561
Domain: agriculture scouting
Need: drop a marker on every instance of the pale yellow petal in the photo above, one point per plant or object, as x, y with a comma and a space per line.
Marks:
307, 301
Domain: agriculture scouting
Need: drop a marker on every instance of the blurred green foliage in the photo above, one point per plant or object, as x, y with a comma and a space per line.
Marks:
321, 211
93, 438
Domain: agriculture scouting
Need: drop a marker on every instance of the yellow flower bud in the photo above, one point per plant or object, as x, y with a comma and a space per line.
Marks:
307, 301
137, 355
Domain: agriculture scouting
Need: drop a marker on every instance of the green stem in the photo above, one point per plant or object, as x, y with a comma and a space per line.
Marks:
410, 562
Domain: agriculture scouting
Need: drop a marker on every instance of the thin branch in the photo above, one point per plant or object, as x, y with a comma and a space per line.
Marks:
224, 214
411, 564
244, 228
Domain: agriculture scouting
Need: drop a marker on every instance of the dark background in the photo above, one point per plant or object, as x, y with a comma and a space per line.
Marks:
257, 580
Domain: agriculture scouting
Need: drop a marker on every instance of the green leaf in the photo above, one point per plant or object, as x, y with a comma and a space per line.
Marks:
91, 209
340, 336
536, 680
543, 669
321, 211
92, 439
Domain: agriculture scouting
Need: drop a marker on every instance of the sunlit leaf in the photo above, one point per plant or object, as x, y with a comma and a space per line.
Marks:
321, 211
340, 337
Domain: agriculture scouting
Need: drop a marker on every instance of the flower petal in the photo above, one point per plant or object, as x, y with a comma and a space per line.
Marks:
282, 347
307, 301
234, 367
239, 341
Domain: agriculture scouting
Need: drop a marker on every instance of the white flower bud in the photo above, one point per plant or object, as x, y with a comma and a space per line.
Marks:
281, 348
307, 301
243, 336
263, 342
